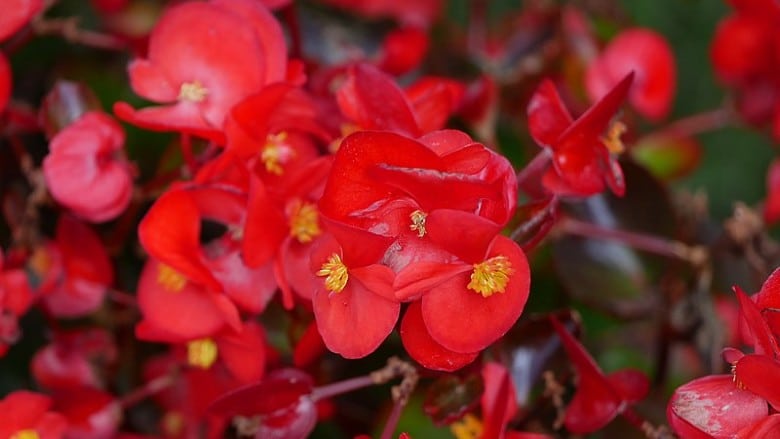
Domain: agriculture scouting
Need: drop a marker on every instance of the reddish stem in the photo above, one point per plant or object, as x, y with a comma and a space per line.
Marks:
340, 387
699, 123
149, 389
123, 298
68, 29
392, 420
653, 244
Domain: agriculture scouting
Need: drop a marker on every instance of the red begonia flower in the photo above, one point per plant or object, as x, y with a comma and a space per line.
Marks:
713, 407
196, 74
421, 194
5, 82
599, 398
72, 360
199, 313
27, 413
649, 56
309, 347
88, 272
282, 403
86, 170
467, 311
424, 349
402, 50
16, 14
258, 126
582, 159
353, 303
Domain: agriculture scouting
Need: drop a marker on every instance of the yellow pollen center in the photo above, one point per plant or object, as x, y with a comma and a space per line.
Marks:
491, 276
418, 222
612, 140
304, 224
469, 427
173, 423
25, 434
276, 152
170, 279
336, 274
202, 353
193, 91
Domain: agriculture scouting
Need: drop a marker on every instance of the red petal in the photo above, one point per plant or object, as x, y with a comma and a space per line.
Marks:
5, 81
355, 321
309, 347
425, 350
375, 102
419, 277
183, 117
243, 353
593, 122
463, 234
249, 288
279, 390
595, 402
265, 226
761, 375
763, 339
462, 320
170, 232
499, 402
433, 101
712, 406
196, 315
16, 14
403, 49
548, 118
767, 428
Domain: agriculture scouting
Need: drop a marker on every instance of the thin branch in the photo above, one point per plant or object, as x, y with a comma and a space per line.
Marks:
68, 28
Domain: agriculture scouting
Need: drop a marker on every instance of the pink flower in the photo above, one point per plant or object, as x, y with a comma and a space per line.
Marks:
86, 170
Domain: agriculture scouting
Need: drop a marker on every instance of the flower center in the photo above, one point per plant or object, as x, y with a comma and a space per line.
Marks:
304, 225
202, 353
276, 153
335, 272
418, 222
25, 434
170, 279
173, 423
491, 276
467, 428
193, 91
612, 140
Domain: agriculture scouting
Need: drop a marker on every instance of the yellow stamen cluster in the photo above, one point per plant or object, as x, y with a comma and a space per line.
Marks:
25, 434
491, 276
202, 353
193, 91
304, 222
335, 272
173, 423
469, 427
418, 222
170, 279
612, 140
275, 153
